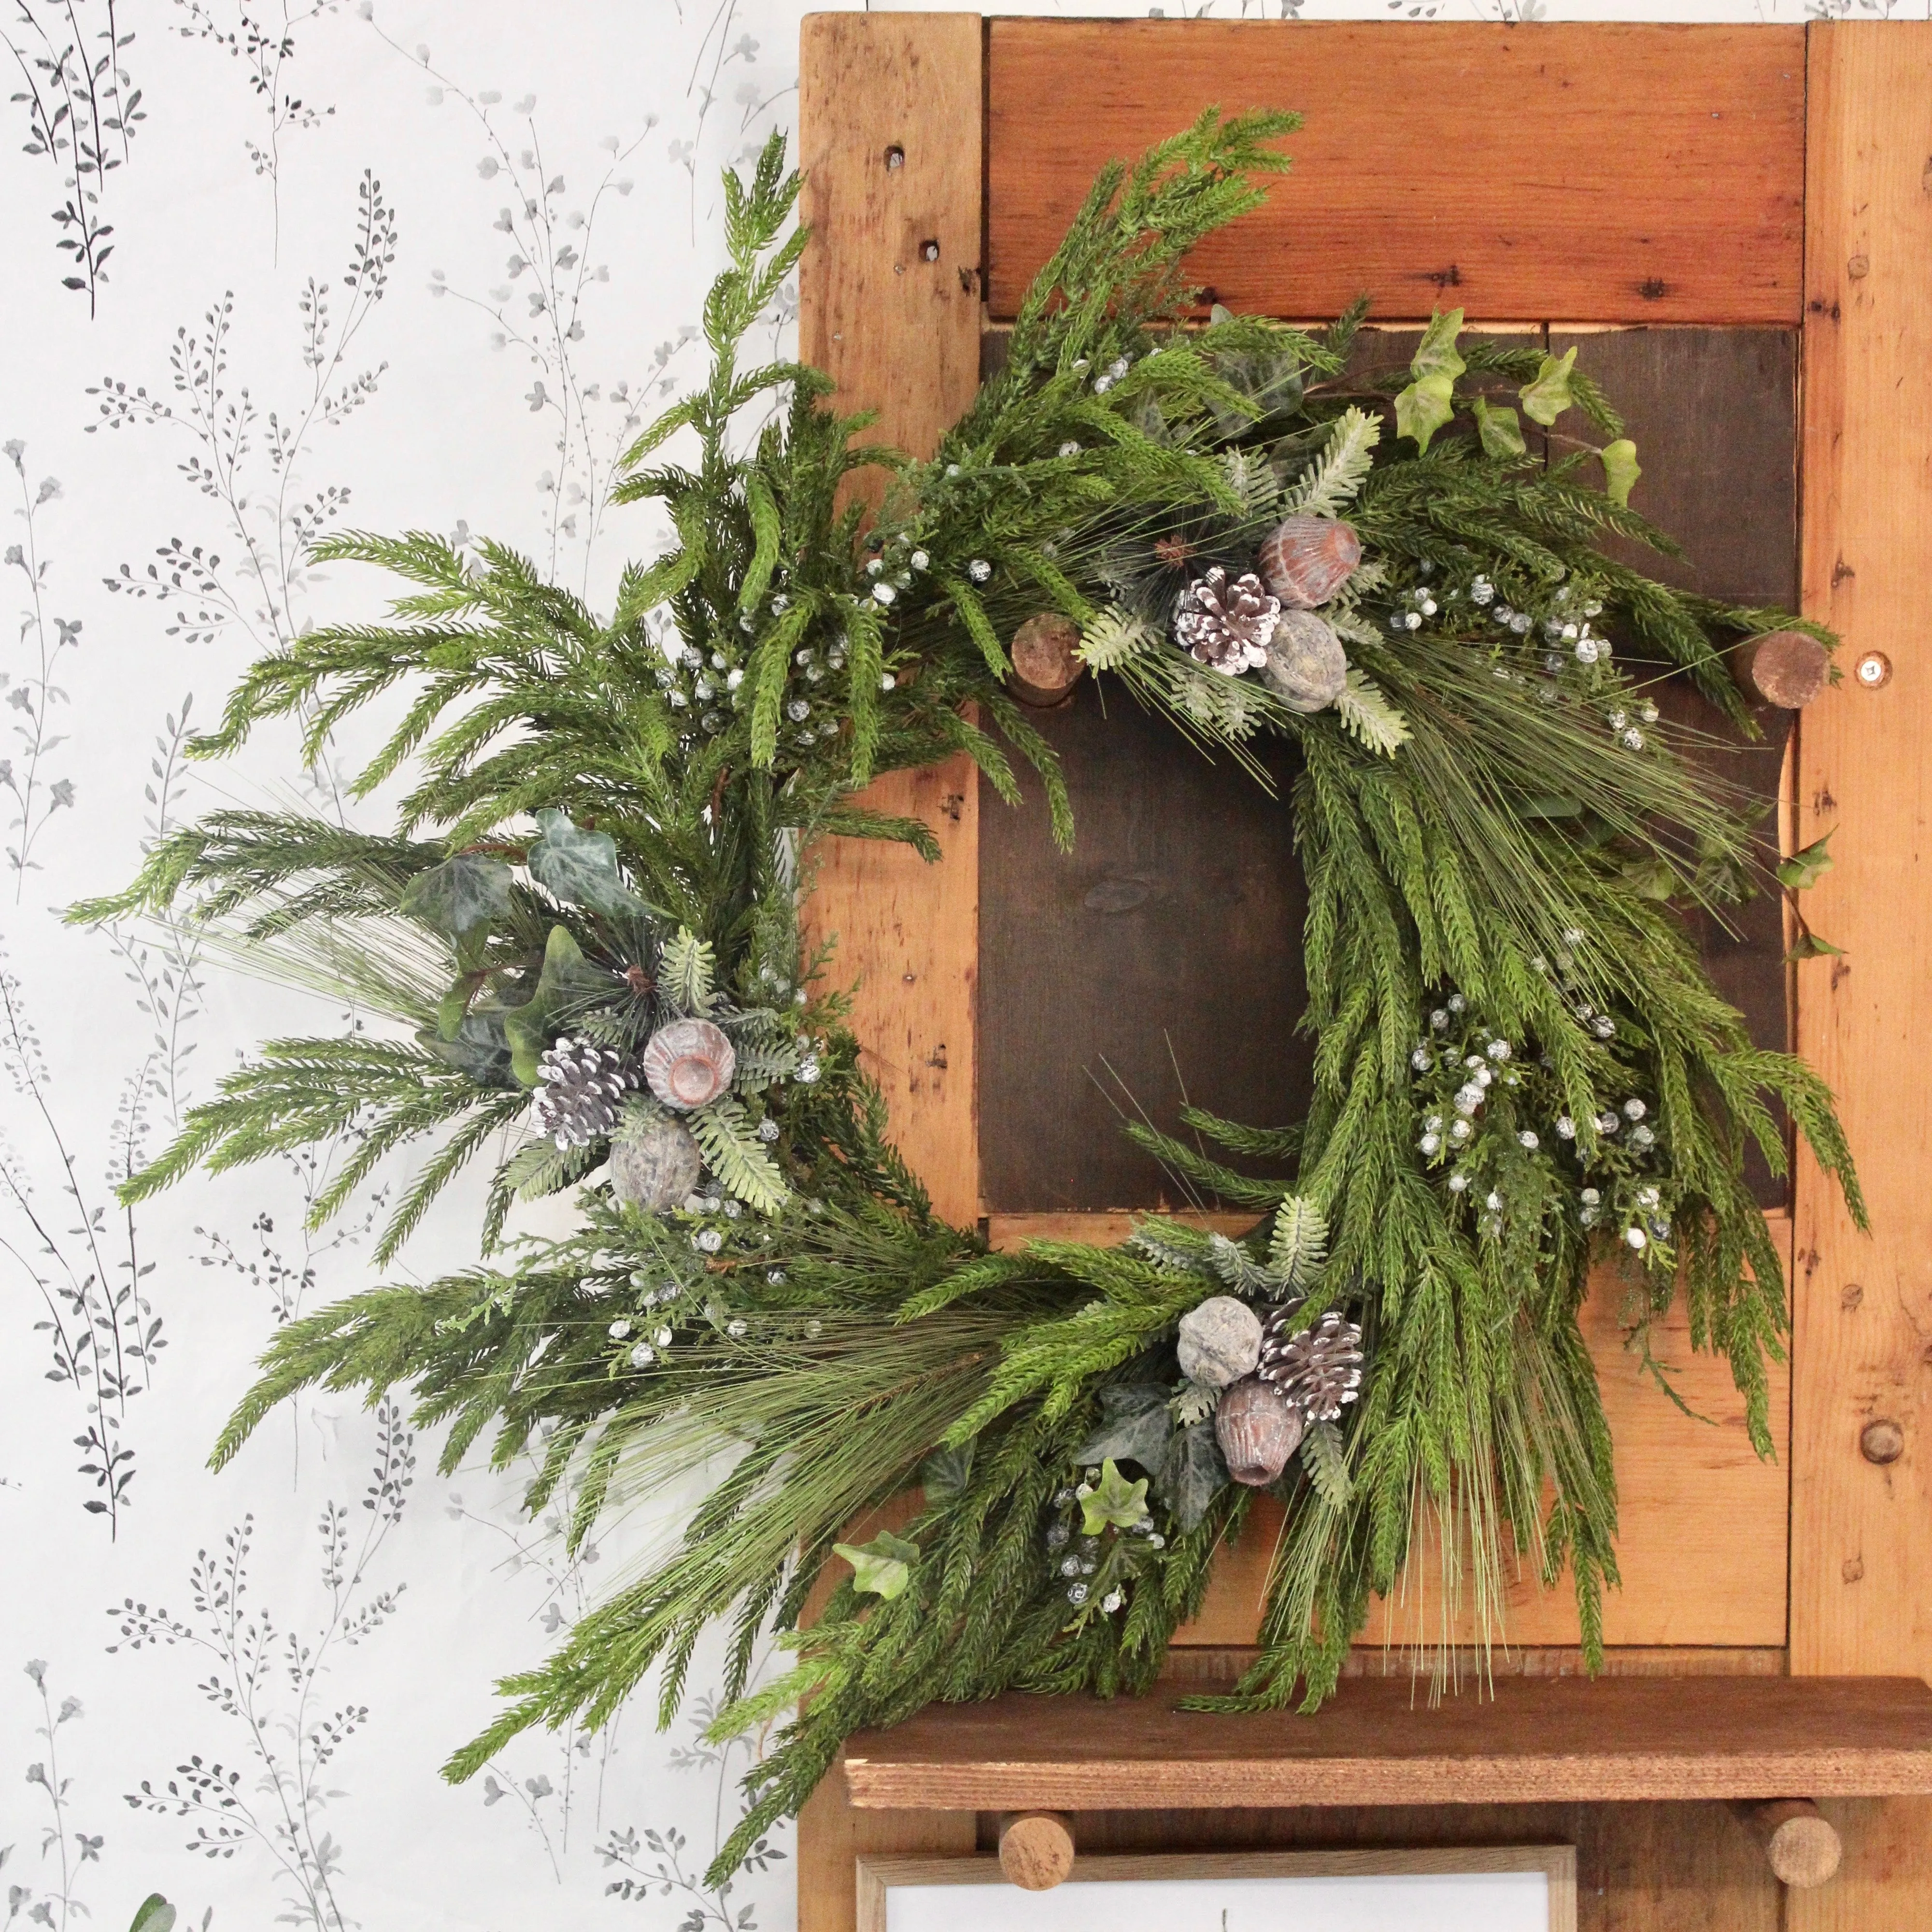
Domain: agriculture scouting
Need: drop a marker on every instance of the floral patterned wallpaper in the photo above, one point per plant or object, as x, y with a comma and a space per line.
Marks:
272, 268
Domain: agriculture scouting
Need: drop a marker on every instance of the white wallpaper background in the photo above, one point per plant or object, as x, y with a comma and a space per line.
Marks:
414, 262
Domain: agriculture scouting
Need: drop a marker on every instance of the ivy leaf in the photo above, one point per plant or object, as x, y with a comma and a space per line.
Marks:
1546, 399
1651, 878
1499, 431
156, 1915
1134, 1427
1113, 1502
1423, 407
1621, 469
478, 1049
464, 891
1810, 947
1803, 868
579, 867
567, 977
1195, 1474
882, 1567
1429, 401
944, 1474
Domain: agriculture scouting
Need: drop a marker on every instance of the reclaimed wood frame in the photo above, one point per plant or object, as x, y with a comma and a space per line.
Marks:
876, 1876
1764, 174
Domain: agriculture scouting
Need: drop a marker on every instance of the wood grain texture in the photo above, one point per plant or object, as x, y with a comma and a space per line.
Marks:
1861, 1533
889, 137
833, 1837
1379, 1742
1702, 1546
1161, 957
1606, 173
877, 1877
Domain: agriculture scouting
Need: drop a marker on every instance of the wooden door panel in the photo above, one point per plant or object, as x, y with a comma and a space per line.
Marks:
1604, 173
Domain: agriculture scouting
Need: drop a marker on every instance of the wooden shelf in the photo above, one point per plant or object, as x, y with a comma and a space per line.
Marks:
1378, 1742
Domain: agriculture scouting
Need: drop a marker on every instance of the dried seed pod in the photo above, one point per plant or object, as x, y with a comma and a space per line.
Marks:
688, 1063
1220, 1342
1307, 559
658, 1168
1257, 1432
1306, 667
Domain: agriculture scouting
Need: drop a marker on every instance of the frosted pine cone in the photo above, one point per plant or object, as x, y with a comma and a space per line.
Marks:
1226, 622
1318, 1370
584, 1086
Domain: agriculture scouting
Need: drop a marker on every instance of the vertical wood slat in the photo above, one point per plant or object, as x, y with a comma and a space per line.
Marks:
900, 335
889, 136
1862, 1532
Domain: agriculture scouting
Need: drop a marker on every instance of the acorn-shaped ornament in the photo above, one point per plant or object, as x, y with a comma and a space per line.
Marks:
1306, 668
1257, 1432
688, 1063
1307, 559
658, 1168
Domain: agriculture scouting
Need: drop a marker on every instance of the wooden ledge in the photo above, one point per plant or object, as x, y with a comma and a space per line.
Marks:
1378, 1742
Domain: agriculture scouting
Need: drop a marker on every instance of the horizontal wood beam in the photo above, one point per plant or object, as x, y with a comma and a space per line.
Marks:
1377, 1742
1615, 173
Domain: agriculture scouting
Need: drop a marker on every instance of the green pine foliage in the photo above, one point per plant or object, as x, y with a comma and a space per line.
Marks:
1519, 1063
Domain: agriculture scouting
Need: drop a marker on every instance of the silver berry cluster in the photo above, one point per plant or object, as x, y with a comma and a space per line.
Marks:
1093, 1573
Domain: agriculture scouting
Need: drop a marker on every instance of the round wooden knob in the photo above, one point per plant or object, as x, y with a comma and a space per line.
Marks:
1882, 1441
1046, 664
1802, 1844
1786, 668
1036, 1849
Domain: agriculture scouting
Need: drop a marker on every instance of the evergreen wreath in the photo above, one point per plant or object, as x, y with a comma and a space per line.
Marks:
585, 925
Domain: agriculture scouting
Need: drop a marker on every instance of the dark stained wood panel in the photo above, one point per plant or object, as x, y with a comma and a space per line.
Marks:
1379, 1742
1160, 959
1591, 172
1163, 956
1714, 412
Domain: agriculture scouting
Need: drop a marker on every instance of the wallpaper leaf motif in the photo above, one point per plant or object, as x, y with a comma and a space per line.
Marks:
269, 1681
81, 110
45, 639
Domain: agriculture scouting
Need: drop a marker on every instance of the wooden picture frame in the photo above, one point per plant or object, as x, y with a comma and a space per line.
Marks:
877, 1876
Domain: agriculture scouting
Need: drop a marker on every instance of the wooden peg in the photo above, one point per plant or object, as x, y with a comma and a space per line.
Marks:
1036, 1848
1786, 668
1046, 665
1802, 1845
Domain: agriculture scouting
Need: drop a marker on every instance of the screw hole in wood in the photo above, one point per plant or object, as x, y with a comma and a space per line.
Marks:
894, 158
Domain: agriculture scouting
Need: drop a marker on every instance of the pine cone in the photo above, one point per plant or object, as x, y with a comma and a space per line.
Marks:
1226, 622
1317, 1370
583, 1086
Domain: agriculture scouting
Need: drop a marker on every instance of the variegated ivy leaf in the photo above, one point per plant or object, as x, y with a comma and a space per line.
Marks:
882, 1567
1498, 429
944, 1473
1430, 401
1196, 1473
1803, 868
1134, 1426
1546, 399
579, 867
1113, 1503
1621, 469
468, 890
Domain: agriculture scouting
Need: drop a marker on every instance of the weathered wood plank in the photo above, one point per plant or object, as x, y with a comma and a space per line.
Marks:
1601, 173
889, 136
1861, 1531
1702, 1545
1534, 1740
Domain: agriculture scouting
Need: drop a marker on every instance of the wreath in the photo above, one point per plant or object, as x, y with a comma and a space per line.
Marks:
585, 926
